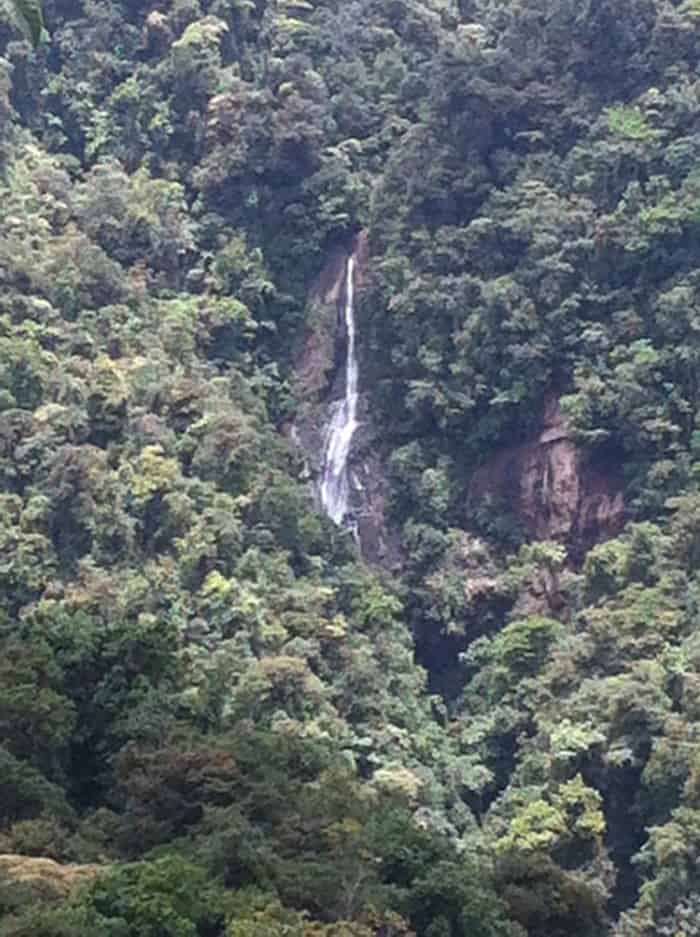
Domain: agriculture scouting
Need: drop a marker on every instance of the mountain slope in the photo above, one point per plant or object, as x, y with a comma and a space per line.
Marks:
205, 690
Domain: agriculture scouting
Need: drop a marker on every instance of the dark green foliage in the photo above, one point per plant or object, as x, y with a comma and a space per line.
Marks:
450, 901
546, 901
26, 792
203, 690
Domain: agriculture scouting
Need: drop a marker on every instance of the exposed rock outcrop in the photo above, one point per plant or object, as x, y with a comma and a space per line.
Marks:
318, 367
551, 489
320, 377
316, 362
379, 543
546, 482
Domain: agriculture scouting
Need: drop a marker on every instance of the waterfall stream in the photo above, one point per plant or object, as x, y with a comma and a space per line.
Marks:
341, 426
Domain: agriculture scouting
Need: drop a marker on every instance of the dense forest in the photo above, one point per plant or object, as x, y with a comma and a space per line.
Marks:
219, 715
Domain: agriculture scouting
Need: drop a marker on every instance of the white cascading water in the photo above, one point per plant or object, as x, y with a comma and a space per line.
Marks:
335, 481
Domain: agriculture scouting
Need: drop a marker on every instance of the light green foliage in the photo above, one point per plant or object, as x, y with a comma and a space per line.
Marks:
569, 740
571, 813
630, 123
154, 474
198, 674
540, 826
690, 8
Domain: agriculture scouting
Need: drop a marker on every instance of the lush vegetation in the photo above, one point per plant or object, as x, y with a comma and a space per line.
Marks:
205, 694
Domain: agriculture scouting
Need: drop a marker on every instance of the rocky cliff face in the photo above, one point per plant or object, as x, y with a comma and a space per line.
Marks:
551, 489
321, 351
320, 376
545, 482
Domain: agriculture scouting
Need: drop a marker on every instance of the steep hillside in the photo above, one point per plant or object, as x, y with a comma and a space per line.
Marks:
479, 723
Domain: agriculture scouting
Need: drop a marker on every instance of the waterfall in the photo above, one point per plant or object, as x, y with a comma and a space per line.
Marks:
335, 481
